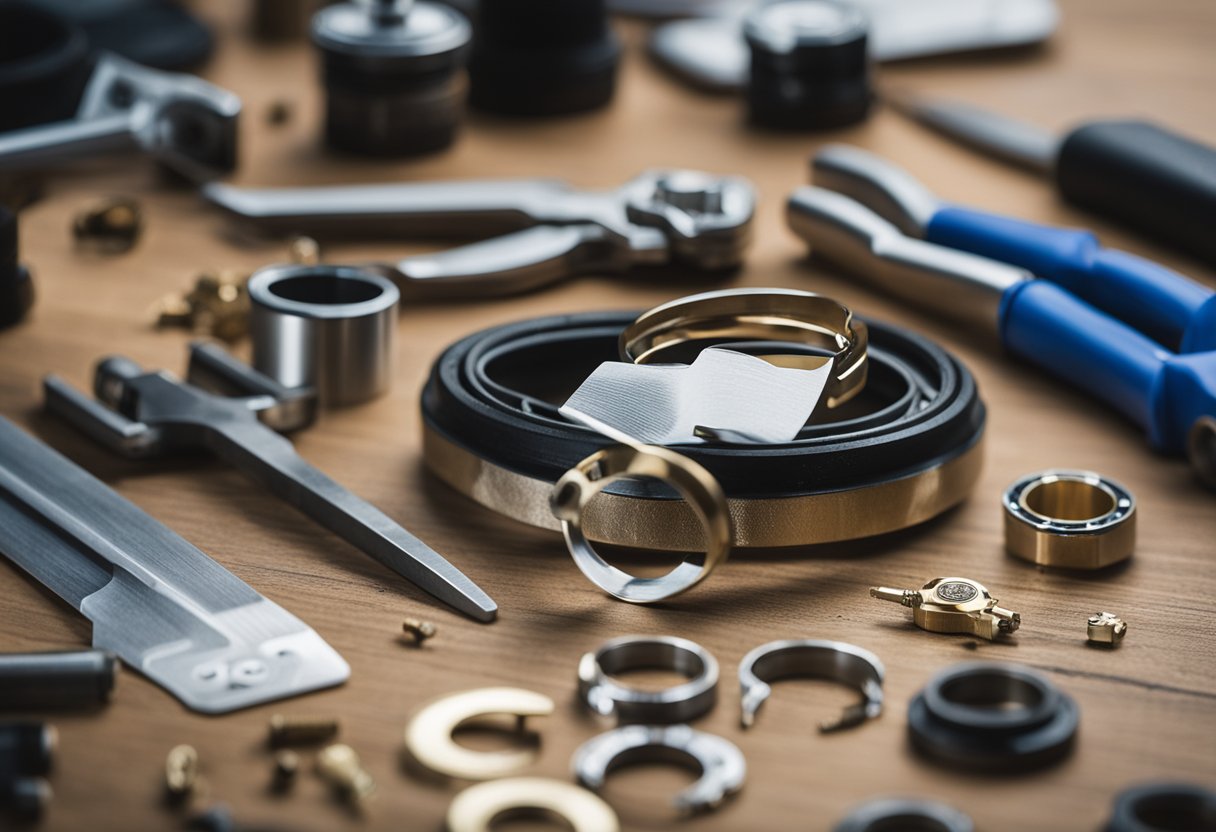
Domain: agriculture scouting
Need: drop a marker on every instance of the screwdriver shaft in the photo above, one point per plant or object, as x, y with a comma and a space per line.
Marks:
272, 460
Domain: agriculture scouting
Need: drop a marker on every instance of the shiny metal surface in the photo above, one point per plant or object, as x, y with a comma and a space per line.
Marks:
326, 327
709, 50
960, 286
428, 738
683, 702
994, 134
180, 120
816, 659
1069, 519
572, 493
720, 762
954, 605
479, 807
722, 396
550, 230
142, 414
155, 600
776, 315
884, 188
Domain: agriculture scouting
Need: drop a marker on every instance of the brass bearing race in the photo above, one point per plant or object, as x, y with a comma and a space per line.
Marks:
757, 315
1070, 519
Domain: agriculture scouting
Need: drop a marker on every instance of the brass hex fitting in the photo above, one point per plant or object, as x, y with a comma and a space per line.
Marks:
1070, 519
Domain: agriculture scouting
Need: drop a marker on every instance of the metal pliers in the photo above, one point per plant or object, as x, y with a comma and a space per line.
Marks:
1171, 396
550, 230
141, 414
1173, 310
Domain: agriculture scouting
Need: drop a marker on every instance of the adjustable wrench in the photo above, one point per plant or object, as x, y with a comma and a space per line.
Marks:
181, 120
143, 414
550, 230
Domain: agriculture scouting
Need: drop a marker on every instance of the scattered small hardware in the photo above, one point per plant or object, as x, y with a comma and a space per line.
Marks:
1105, 629
302, 730
339, 766
953, 605
286, 768
217, 306
181, 773
112, 226
417, 631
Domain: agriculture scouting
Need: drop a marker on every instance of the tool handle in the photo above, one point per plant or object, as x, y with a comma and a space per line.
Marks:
1046, 325
1145, 176
1168, 307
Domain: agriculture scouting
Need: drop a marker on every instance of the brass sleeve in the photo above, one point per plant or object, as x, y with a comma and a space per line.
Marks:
670, 525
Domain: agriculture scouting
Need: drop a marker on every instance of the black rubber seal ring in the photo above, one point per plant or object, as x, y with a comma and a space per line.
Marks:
904, 815
1164, 807
973, 734
496, 394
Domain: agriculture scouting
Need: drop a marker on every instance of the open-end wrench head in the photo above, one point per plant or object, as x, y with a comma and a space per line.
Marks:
185, 122
706, 218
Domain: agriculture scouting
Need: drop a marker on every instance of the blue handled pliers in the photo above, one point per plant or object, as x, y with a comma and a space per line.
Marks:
1078, 324
1173, 310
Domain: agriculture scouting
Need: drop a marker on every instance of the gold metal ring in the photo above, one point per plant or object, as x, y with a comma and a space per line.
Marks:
1071, 519
700, 491
670, 525
476, 808
758, 315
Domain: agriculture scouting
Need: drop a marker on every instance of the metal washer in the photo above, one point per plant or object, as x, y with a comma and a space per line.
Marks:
680, 703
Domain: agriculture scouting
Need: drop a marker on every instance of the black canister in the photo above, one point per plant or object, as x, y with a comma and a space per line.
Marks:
543, 57
809, 68
44, 66
393, 75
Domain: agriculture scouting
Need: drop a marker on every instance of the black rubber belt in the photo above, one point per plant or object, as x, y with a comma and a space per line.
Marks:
496, 394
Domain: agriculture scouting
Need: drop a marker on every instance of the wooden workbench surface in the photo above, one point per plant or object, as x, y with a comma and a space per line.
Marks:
1148, 709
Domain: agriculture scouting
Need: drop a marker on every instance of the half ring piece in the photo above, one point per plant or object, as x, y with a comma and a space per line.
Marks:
834, 660
721, 763
429, 734
700, 490
668, 332
895, 813
1071, 519
681, 703
477, 808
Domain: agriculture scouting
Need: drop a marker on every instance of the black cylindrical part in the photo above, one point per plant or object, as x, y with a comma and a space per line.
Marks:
543, 57
26, 749
393, 74
809, 65
78, 679
1164, 807
44, 66
16, 287
1148, 177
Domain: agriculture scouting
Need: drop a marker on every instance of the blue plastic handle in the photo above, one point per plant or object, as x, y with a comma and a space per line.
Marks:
1163, 393
1168, 307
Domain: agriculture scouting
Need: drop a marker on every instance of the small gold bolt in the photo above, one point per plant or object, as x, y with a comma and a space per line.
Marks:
286, 767
302, 730
1105, 629
113, 225
339, 766
304, 251
181, 772
418, 630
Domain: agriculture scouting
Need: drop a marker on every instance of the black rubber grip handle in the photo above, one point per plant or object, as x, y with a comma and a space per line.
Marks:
1154, 180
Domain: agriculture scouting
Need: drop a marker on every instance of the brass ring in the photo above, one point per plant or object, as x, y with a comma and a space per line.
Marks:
758, 315
700, 490
477, 808
1071, 519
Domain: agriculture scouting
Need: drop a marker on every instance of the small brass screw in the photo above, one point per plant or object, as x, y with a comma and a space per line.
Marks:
181, 772
418, 630
339, 766
302, 730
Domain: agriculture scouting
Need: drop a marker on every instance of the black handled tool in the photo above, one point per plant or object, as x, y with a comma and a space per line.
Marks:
1136, 172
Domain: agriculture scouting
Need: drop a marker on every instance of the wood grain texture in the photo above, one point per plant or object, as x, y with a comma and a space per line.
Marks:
1148, 709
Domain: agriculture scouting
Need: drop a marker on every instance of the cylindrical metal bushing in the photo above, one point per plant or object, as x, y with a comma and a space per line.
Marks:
328, 327
1070, 519
543, 57
394, 75
70, 679
809, 66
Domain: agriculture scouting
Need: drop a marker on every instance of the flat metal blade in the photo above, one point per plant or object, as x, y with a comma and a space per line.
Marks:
158, 602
